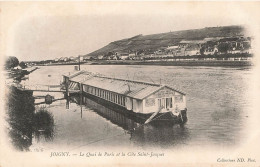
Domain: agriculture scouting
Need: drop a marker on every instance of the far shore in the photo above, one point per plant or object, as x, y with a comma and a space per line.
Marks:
161, 63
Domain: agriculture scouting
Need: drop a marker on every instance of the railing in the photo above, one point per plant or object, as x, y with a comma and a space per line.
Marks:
39, 87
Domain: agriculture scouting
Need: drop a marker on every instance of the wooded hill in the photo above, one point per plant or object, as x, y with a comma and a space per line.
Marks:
156, 41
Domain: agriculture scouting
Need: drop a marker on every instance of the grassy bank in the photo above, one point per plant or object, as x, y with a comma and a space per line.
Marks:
25, 121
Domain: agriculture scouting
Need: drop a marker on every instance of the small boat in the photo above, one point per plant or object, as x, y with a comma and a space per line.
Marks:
149, 102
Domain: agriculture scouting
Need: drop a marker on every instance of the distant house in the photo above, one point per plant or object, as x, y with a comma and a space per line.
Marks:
211, 50
66, 59
72, 58
159, 52
212, 39
192, 49
186, 43
81, 58
189, 47
123, 55
175, 47
100, 57
87, 57
237, 44
180, 52
173, 50
63, 59
132, 54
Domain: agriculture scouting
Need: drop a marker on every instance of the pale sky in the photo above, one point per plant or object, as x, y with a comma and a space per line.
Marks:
41, 31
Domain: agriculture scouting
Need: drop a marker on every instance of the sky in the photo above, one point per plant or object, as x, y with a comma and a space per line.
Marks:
45, 30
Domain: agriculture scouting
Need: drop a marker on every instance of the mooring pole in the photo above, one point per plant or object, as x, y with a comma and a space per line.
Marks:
67, 93
79, 63
81, 93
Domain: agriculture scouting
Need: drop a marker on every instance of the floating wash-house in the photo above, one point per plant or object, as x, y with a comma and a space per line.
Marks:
146, 101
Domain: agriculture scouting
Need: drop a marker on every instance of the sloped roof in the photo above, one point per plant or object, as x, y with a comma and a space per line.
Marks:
192, 41
134, 89
73, 74
172, 47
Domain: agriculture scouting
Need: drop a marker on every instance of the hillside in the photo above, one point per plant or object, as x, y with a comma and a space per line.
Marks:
155, 41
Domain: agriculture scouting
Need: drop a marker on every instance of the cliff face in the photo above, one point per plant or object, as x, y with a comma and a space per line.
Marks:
155, 41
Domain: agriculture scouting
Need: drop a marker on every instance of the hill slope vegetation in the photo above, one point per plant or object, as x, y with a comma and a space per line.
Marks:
155, 41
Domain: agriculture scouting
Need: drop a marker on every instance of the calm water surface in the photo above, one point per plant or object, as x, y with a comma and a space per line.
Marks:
217, 102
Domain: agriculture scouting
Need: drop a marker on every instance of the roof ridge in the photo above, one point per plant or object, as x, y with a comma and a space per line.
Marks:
133, 81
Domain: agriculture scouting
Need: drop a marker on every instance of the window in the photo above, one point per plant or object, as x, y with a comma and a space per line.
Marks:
162, 103
113, 97
159, 102
168, 102
178, 98
149, 102
119, 99
124, 99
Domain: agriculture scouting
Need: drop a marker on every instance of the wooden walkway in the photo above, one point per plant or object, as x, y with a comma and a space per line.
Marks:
45, 88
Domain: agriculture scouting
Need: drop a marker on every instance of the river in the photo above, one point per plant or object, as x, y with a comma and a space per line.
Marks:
217, 102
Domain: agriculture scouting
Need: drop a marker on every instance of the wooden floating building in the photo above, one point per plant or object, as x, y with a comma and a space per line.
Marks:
145, 100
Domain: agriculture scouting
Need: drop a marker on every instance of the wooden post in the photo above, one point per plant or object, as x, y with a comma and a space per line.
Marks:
79, 63
67, 92
81, 94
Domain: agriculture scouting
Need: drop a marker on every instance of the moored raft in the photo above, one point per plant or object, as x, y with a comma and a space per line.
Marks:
146, 101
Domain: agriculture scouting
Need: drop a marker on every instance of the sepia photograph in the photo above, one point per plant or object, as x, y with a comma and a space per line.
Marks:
136, 83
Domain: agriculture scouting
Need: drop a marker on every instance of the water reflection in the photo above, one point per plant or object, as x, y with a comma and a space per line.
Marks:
43, 124
24, 122
141, 135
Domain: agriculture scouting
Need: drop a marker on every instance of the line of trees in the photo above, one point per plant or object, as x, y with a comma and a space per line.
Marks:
12, 62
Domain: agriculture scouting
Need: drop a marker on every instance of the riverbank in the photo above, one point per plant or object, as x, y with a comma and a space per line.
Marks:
180, 63
236, 63
26, 121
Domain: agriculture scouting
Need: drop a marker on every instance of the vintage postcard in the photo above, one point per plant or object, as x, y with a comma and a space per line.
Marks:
113, 83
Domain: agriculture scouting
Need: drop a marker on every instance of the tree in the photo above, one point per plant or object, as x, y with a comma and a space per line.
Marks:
11, 62
202, 50
246, 45
109, 54
23, 65
223, 47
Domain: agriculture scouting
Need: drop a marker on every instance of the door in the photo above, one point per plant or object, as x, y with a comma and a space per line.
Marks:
165, 103
169, 102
